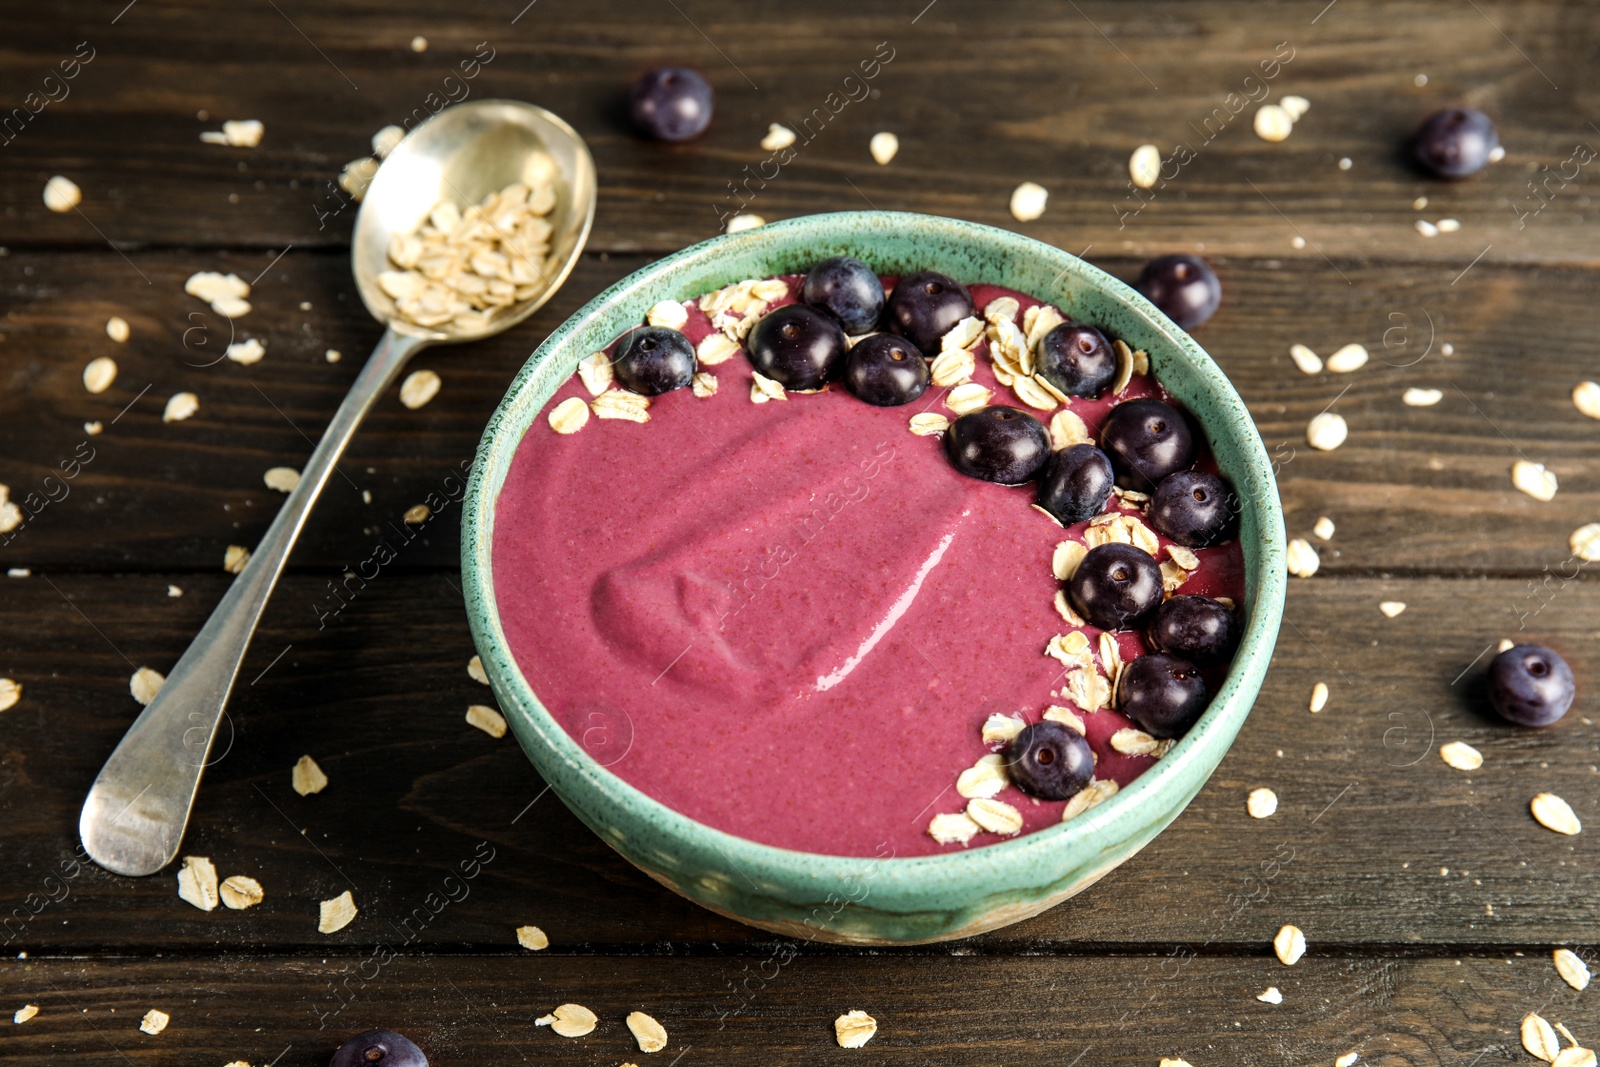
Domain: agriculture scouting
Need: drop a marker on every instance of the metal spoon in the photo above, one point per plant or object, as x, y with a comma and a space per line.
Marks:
134, 817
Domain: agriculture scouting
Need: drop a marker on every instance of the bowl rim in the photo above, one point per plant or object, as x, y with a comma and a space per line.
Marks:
973, 867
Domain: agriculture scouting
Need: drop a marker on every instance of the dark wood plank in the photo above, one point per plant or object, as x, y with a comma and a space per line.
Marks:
975, 108
762, 1010
1420, 490
1370, 815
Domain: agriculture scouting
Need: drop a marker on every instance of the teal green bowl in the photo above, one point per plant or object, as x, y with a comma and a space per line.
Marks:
883, 901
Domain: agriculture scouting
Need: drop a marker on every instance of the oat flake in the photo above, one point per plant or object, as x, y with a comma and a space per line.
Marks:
235, 558
1539, 1038
621, 404
651, 1035
1066, 429
668, 313
475, 670
99, 374
1302, 558
239, 892
1351, 357
986, 778
197, 882
1290, 945
1586, 398
1421, 398
778, 137
1028, 201
1556, 814
487, 719
1323, 528
1347, 1060
1092, 794
419, 387
716, 348
1144, 166
929, 424
996, 816
569, 1020
969, 397
154, 1022
1585, 542
1319, 696
145, 684
1572, 969
117, 328
1574, 1055
1392, 608
1272, 123
1533, 479
1308, 361
953, 829
952, 367
594, 370
1461, 756
854, 1029
1271, 995
62, 194
10, 693
281, 479
883, 146
1261, 803
24, 1013
532, 938
334, 915
747, 221
1064, 561
1327, 431
569, 416
307, 777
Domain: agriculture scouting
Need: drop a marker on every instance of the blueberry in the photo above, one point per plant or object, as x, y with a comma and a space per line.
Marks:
1530, 685
1075, 483
1184, 287
797, 346
924, 306
378, 1048
848, 289
1116, 587
885, 370
1195, 509
1197, 628
653, 360
1455, 142
1077, 359
998, 444
1049, 760
671, 104
1163, 694
1146, 440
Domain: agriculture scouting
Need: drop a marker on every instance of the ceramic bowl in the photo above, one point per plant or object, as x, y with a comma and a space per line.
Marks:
865, 900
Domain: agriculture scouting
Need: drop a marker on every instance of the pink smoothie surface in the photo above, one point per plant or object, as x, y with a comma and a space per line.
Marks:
789, 620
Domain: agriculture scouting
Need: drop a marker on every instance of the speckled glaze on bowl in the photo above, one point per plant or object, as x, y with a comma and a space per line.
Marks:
883, 901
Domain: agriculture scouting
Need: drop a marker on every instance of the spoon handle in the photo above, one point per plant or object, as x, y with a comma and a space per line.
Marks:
135, 814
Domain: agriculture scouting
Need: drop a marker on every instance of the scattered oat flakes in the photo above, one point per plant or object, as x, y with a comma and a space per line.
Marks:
236, 133
1144, 166
1586, 398
1308, 361
240, 891
996, 816
1585, 542
1556, 814
1533, 479
1273, 123
569, 1020
10, 693
968, 397
387, 140
986, 778
235, 558
671, 314
763, 389
419, 387
1261, 803
953, 829
334, 915
248, 351
99, 374
651, 1035
569, 416
883, 146
475, 670
1572, 969
1319, 696
1351, 357
62, 194
281, 479
417, 514
1327, 431
746, 221
224, 292
854, 1029
1347, 1060
1392, 608
180, 406
154, 1022
1290, 945
117, 328
1426, 228
1421, 398
532, 938
1271, 995
778, 137
1461, 756
1028, 200
487, 719
24, 1013
93, 428
197, 882
307, 777
621, 404
1539, 1038
145, 684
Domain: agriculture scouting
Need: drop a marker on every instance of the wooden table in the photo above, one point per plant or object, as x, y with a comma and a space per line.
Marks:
1430, 899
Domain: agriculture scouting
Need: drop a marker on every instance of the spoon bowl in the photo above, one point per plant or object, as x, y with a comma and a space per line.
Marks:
459, 156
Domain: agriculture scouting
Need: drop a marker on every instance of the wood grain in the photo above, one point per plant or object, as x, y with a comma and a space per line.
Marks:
981, 96
1414, 490
1369, 815
760, 1009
